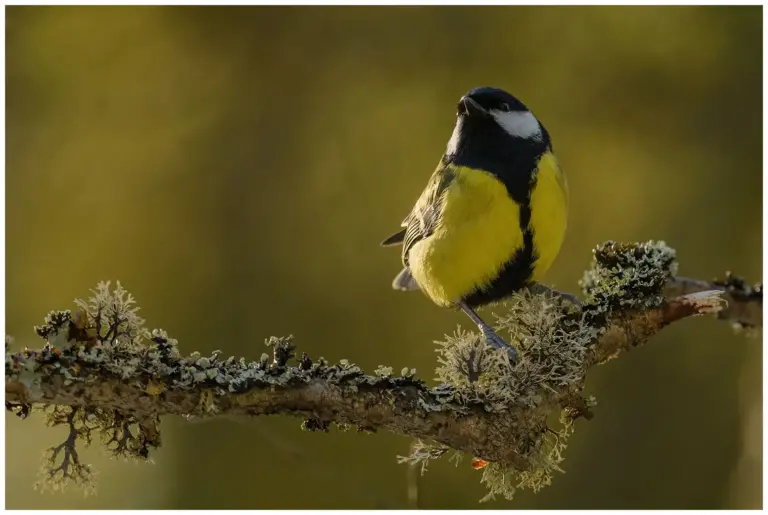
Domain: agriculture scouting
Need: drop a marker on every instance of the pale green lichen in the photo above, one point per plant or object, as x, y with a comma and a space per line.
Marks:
548, 446
106, 331
383, 371
110, 335
552, 356
107, 337
114, 311
552, 345
422, 453
626, 276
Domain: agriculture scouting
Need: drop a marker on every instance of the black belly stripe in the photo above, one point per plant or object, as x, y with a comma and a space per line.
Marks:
513, 161
516, 273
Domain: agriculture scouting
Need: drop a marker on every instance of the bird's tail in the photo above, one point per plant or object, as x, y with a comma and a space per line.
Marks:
405, 281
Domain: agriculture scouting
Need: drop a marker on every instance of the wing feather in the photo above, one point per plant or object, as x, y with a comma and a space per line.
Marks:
395, 239
425, 217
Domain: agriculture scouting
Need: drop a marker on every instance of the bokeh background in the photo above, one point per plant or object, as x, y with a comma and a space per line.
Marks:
236, 169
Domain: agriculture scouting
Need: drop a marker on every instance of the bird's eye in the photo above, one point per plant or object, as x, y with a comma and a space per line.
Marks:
504, 106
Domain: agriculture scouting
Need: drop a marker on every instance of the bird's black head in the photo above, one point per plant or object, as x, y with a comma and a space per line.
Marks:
496, 132
489, 99
496, 109
493, 115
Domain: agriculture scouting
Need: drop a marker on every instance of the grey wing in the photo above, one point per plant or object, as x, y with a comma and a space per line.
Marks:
420, 223
425, 217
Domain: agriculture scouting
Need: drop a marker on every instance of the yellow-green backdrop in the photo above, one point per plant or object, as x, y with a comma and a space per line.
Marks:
236, 169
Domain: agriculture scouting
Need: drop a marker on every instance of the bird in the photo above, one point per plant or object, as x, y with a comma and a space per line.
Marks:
493, 215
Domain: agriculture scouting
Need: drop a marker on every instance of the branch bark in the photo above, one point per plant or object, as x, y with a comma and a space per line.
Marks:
402, 405
744, 302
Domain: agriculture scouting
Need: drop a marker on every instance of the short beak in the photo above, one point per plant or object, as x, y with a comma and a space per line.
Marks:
468, 106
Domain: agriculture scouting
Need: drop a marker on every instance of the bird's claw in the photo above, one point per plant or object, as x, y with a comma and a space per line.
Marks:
497, 342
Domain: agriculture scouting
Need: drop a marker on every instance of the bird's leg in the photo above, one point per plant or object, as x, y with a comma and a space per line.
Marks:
540, 289
491, 338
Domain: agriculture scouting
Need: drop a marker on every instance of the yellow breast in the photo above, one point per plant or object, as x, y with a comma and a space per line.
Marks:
549, 213
479, 231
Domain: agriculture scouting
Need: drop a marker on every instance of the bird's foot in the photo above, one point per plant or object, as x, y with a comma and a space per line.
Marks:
497, 342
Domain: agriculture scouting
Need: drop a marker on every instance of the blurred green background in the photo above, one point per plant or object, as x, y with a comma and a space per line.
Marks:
236, 169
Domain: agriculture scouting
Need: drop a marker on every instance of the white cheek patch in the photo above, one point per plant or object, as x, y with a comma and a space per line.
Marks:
520, 124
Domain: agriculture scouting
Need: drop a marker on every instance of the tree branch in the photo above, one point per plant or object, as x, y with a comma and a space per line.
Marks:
744, 302
497, 413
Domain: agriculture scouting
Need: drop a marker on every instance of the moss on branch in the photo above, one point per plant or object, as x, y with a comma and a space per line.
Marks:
101, 372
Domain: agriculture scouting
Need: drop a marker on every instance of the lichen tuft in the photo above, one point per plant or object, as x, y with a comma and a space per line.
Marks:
422, 453
626, 276
553, 344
